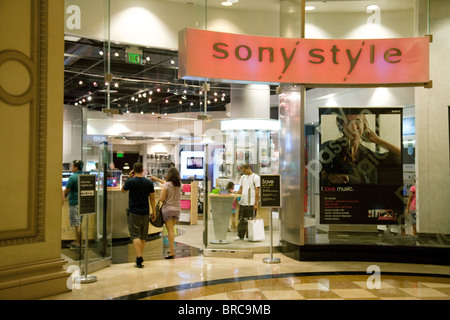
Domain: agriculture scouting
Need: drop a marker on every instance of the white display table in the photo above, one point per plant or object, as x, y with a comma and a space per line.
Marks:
220, 205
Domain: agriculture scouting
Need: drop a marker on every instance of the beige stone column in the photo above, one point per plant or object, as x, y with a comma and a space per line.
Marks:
31, 119
432, 125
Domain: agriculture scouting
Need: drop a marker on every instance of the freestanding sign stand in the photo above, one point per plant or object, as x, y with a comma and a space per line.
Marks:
86, 206
271, 198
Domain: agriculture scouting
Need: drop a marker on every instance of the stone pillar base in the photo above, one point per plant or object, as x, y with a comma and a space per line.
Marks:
33, 281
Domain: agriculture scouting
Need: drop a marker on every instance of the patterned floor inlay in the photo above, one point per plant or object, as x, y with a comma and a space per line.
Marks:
322, 286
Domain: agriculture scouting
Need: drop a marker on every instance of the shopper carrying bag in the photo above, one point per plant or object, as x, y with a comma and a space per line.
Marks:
249, 189
158, 222
255, 229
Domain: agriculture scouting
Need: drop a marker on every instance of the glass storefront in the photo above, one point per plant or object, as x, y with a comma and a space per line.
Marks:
125, 103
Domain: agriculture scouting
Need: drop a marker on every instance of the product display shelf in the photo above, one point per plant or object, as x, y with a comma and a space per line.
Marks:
189, 205
158, 164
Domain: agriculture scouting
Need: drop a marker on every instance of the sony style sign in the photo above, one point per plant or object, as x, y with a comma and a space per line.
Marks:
216, 55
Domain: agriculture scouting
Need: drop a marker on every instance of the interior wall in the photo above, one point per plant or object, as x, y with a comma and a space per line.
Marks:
156, 23
432, 127
355, 97
393, 24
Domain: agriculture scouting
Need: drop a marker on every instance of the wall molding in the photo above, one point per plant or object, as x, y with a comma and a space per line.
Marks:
35, 98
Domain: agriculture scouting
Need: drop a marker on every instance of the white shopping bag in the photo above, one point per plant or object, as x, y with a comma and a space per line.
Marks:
256, 230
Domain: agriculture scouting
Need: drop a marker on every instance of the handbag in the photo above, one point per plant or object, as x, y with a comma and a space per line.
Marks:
158, 222
255, 230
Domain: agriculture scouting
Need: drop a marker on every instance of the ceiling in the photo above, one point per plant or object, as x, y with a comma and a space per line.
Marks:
132, 85
151, 86
320, 5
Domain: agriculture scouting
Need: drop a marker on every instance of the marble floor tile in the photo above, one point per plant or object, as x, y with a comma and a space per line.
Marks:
423, 292
354, 293
283, 295
192, 276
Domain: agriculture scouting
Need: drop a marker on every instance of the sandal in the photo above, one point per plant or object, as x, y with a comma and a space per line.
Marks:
170, 256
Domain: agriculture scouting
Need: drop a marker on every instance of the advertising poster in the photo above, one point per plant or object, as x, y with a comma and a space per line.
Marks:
86, 194
270, 191
361, 176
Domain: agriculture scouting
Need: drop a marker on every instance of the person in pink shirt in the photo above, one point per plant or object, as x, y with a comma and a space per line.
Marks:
411, 209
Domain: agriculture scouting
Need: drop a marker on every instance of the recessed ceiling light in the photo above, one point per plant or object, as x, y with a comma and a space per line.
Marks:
229, 2
310, 8
373, 7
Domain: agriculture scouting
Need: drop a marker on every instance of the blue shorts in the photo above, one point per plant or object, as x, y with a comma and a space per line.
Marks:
74, 217
413, 216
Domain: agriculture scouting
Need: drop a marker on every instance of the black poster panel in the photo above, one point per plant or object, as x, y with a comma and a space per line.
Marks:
361, 176
270, 191
86, 194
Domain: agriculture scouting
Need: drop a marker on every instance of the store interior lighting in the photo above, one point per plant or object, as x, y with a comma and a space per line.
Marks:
229, 2
156, 75
372, 7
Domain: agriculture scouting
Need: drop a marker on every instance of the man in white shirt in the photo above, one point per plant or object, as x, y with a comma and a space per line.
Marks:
250, 183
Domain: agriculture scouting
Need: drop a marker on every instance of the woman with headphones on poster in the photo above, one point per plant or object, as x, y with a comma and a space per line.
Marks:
347, 161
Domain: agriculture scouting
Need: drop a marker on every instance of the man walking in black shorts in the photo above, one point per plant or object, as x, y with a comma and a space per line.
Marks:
141, 190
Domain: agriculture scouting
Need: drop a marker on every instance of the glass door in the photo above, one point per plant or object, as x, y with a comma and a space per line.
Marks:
84, 61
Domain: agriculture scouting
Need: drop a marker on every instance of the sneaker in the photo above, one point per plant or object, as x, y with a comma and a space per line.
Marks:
238, 238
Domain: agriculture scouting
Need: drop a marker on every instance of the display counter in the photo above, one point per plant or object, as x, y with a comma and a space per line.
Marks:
116, 210
119, 202
220, 212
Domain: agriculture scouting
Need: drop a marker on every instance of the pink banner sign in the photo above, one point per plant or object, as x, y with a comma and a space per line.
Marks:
233, 57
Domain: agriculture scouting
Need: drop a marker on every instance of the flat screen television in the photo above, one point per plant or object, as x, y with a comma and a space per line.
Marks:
194, 163
112, 182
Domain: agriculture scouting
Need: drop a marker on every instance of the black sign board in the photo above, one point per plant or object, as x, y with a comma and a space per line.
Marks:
271, 191
86, 194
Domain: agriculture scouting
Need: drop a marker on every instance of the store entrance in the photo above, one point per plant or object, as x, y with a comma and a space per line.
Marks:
207, 131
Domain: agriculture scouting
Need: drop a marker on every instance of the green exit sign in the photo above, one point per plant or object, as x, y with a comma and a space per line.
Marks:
134, 58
